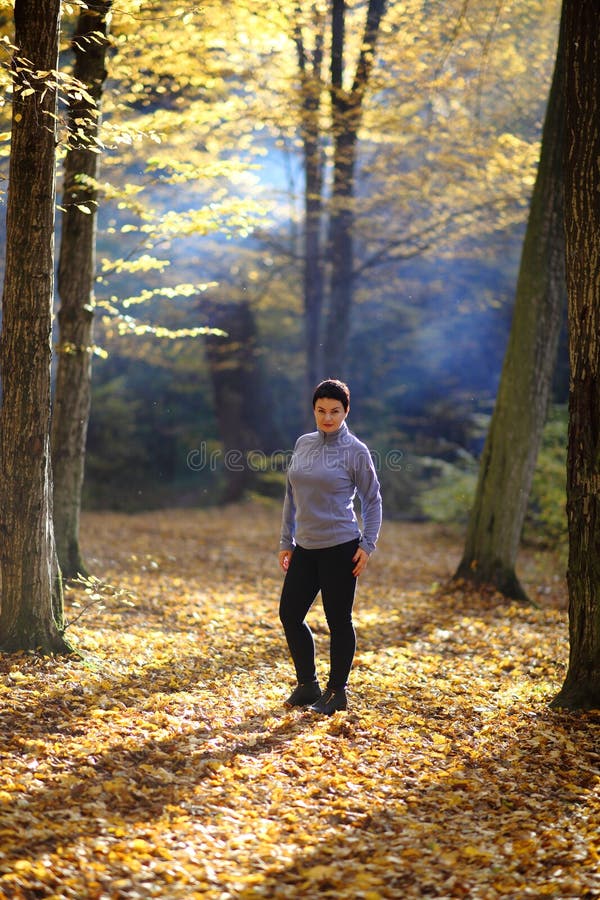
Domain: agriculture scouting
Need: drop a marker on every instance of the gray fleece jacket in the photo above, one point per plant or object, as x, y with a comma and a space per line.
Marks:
325, 474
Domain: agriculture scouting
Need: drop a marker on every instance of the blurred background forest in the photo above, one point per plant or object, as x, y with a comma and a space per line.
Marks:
201, 222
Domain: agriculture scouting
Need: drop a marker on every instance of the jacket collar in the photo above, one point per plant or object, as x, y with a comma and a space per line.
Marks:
338, 435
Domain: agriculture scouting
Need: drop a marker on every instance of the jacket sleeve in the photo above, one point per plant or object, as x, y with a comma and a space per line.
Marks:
288, 519
368, 489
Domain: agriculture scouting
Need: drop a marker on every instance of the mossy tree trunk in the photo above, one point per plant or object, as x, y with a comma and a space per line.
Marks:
581, 24
510, 452
76, 273
31, 610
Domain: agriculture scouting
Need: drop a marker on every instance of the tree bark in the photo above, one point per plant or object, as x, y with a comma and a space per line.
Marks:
581, 24
31, 613
347, 115
76, 274
509, 456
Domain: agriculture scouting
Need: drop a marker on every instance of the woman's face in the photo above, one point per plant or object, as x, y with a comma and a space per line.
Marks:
329, 414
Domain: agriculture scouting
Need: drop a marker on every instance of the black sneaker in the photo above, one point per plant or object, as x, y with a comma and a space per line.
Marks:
304, 694
331, 701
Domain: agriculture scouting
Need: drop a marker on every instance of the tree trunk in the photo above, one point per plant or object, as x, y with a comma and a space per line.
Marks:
313, 150
513, 441
581, 25
236, 387
76, 273
341, 256
347, 114
31, 616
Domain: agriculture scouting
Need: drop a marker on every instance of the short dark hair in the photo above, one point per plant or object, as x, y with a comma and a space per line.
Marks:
332, 389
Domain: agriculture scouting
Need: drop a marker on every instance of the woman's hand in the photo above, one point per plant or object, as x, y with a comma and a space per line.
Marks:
284, 559
360, 560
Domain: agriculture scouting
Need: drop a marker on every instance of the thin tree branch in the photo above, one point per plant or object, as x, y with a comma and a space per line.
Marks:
424, 238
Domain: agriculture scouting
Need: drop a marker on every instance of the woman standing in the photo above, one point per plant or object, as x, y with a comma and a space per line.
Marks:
321, 545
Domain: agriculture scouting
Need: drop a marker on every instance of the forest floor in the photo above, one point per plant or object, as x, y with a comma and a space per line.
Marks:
161, 762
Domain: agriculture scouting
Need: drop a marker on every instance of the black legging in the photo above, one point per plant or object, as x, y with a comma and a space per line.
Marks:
330, 571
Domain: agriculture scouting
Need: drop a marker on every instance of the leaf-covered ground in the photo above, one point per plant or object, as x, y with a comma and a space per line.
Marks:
162, 762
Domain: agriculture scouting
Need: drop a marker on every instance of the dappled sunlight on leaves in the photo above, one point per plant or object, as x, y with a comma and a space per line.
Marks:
162, 763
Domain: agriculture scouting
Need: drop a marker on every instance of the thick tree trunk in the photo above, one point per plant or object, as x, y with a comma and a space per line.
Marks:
347, 115
30, 617
512, 445
76, 273
581, 25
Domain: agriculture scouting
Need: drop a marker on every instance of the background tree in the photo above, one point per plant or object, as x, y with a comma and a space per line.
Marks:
31, 613
238, 393
76, 277
329, 226
346, 105
509, 456
310, 87
581, 25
